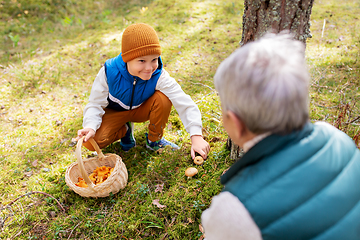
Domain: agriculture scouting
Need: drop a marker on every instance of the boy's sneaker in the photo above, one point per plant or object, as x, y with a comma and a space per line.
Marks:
159, 144
128, 141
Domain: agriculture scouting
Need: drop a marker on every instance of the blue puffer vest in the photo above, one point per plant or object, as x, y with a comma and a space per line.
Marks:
127, 92
305, 185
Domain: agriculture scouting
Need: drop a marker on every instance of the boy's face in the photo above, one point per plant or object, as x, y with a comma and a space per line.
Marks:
143, 67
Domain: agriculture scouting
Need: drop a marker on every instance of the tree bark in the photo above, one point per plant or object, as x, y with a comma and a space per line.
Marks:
262, 16
235, 151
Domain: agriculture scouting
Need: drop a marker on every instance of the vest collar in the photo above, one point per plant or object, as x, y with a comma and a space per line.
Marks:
267, 146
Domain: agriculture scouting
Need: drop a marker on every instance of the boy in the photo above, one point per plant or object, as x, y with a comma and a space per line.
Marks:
296, 180
134, 87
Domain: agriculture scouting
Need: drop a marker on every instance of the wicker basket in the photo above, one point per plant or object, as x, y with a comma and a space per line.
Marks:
82, 168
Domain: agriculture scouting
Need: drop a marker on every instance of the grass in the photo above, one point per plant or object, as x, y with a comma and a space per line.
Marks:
46, 74
333, 56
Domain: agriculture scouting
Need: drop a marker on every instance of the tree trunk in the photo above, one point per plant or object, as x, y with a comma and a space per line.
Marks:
235, 151
262, 16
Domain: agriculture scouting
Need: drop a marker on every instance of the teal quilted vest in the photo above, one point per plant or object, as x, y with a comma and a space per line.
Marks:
305, 185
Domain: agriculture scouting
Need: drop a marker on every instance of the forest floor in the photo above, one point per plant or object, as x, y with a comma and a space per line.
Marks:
49, 58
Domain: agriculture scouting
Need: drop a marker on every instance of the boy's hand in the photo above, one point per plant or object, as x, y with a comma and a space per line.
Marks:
199, 145
87, 132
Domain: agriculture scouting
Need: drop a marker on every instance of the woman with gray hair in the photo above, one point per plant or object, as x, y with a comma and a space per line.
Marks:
296, 180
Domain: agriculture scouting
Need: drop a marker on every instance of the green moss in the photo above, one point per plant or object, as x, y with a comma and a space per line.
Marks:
46, 82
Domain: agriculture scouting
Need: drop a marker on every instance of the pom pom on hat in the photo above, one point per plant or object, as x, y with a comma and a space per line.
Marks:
139, 40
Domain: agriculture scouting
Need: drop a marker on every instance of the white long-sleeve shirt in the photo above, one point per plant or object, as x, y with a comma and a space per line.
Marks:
187, 109
227, 218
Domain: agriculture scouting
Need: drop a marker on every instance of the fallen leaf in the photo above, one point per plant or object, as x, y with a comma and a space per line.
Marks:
189, 220
28, 174
34, 163
156, 203
52, 214
159, 187
201, 228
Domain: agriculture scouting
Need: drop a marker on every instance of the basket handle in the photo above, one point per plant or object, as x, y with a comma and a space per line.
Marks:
81, 163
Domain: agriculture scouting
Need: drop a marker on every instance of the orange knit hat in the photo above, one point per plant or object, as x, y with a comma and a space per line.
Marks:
139, 40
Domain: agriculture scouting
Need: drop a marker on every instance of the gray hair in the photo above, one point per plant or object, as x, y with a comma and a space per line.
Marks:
265, 83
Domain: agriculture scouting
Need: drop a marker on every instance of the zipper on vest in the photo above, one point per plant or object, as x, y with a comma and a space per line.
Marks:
132, 94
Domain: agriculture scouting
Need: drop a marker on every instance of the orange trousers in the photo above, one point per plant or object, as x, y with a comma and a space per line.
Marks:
156, 109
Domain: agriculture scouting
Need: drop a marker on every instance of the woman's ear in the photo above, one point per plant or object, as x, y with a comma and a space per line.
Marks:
236, 124
240, 134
